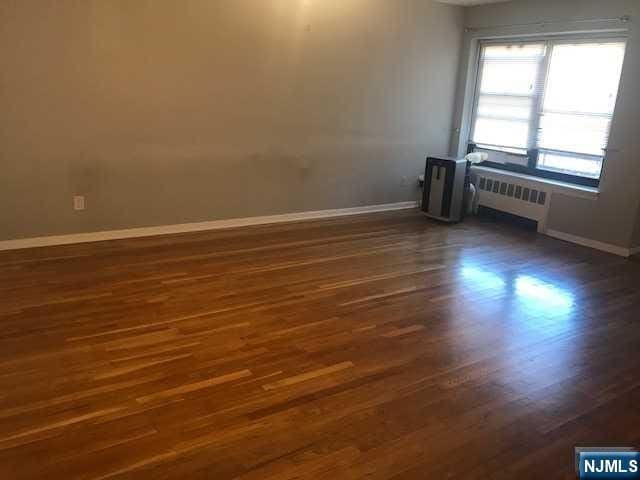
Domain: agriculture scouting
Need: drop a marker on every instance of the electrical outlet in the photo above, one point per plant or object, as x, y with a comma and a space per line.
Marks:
78, 202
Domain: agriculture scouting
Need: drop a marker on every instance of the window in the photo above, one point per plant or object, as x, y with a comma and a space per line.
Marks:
545, 107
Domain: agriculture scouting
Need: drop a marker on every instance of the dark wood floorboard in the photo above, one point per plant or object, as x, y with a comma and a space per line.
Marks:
380, 346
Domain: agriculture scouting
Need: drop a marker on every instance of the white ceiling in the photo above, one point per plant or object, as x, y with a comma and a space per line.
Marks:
468, 3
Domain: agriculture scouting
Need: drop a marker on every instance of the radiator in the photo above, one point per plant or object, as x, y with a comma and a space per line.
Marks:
518, 196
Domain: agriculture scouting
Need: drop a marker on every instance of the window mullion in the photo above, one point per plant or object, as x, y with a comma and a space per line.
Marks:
538, 101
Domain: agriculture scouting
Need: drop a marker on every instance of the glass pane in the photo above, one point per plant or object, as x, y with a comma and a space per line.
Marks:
514, 52
512, 78
574, 133
507, 133
580, 97
517, 108
584, 77
511, 69
507, 87
570, 164
505, 156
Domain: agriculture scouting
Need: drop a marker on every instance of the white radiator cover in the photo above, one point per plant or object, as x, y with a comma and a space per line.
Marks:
513, 194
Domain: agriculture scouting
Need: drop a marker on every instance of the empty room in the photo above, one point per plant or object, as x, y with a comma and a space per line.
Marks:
319, 239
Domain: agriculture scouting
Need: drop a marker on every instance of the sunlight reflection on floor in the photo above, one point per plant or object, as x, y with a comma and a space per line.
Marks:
515, 310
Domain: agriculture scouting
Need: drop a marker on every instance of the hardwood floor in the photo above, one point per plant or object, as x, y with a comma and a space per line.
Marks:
381, 346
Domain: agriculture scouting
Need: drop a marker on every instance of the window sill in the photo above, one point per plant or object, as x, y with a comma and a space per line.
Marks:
556, 186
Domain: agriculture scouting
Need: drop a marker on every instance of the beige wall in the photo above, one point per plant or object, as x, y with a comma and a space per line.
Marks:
612, 216
171, 111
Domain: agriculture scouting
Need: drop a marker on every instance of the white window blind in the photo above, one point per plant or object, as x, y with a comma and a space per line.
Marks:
509, 90
553, 97
581, 92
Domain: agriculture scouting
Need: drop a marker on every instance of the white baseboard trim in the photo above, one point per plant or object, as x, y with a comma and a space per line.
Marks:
195, 227
634, 250
585, 242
